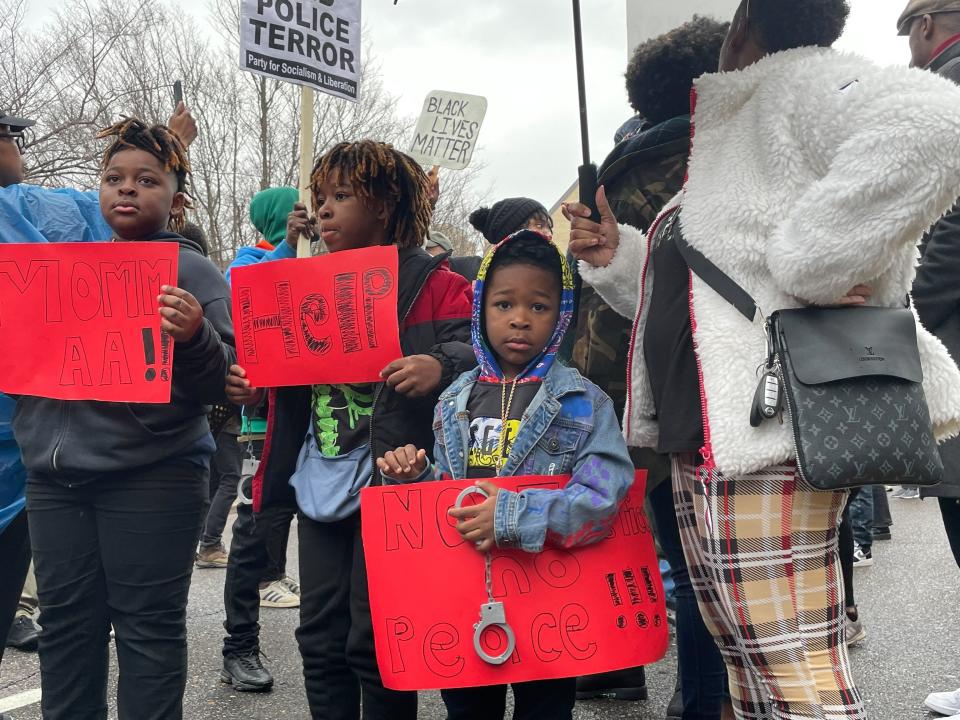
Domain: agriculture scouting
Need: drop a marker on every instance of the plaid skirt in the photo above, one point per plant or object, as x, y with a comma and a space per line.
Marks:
762, 555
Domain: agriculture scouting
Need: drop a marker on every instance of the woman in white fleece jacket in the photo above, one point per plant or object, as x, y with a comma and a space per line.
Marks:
811, 172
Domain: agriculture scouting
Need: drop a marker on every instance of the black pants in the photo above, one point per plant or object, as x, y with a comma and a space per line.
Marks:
258, 553
14, 561
118, 549
950, 509
225, 468
538, 700
845, 549
700, 666
881, 508
336, 632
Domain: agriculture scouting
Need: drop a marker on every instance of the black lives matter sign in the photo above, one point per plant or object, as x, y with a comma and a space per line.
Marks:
307, 42
447, 130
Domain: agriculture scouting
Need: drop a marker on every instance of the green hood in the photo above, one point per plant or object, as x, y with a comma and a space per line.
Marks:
269, 209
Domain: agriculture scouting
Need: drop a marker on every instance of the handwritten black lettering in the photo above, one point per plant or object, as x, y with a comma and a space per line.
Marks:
404, 518
439, 645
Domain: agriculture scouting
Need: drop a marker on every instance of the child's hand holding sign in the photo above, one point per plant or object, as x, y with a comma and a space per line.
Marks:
181, 315
476, 522
239, 390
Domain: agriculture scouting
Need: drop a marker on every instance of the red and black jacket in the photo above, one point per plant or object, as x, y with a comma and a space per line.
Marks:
434, 307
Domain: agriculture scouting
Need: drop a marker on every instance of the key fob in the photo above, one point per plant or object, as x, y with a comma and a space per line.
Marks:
766, 399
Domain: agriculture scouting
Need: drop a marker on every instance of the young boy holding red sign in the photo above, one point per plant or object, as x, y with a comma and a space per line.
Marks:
322, 439
528, 415
116, 492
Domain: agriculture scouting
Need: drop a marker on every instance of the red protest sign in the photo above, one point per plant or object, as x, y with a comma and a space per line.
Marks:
79, 320
327, 319
572, 612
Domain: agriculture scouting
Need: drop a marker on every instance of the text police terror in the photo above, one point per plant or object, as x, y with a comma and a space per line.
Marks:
307, 31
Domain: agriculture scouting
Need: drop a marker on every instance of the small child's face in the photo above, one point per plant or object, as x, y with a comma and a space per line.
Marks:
346, 222
521, 304
137, 196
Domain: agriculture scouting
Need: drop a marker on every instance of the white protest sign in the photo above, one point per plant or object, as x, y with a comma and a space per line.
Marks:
307, 42
447, 130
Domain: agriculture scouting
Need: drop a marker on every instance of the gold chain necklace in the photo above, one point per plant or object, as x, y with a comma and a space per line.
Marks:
505, 405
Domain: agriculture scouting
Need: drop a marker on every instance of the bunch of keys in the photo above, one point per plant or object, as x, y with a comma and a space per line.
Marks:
768, 397
492, 613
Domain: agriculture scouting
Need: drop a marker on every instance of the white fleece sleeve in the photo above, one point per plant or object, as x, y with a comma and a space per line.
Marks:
895, 171
619, 282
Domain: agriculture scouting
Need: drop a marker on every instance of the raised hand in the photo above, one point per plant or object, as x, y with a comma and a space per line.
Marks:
183, 124
594, 243
300, 223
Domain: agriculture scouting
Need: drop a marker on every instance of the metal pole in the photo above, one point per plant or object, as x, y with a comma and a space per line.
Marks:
581, 84
306, 159
587, 172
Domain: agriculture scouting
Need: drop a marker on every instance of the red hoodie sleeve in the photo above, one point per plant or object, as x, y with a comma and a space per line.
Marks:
445, 305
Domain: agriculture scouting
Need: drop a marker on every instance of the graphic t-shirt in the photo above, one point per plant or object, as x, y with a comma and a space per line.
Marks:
485, 408
341, 417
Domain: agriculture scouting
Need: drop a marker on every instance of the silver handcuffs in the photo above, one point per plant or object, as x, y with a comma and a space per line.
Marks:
492, 613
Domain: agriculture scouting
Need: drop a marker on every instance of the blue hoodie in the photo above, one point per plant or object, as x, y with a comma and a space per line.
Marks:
29, 213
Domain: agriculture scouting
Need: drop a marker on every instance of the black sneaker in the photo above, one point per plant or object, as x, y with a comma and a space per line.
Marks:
675, 708
882, 533
629, 684
246, 673
862, 557
24, 634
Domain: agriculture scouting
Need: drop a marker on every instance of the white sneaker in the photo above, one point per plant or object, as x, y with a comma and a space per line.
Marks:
291, 584
853, 631
278, 595
907, 493
862, 558
945, 703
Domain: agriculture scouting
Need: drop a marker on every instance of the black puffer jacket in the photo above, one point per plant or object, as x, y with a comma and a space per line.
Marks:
936, 290
434, 307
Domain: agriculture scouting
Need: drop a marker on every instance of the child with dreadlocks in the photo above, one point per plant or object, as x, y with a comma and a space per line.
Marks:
116, 491
527, 415
322, 439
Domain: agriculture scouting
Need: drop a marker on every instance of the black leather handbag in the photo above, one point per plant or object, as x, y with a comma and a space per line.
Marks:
850, 381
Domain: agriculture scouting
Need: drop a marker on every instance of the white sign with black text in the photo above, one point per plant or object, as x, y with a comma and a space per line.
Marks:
448, 128
307, 42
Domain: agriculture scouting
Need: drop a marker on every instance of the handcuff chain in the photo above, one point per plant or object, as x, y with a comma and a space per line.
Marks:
488, 562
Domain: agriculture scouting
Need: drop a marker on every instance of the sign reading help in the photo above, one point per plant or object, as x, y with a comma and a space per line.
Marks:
307, 42
79, 321
572, 612
448, 128
327, 319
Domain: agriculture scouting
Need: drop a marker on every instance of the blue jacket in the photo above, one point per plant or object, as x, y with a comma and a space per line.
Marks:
29, 213
254, 255
569, 428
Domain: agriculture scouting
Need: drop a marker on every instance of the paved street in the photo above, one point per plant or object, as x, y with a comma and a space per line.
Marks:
910, 601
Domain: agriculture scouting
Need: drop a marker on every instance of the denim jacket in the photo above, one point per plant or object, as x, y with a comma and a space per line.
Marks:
569, 428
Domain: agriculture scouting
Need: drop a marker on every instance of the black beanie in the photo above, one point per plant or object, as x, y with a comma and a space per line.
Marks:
505, 217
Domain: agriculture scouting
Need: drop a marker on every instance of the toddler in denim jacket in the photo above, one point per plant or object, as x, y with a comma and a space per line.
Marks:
522, 413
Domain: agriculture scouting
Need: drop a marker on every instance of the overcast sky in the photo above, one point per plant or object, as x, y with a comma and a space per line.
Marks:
519, 54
